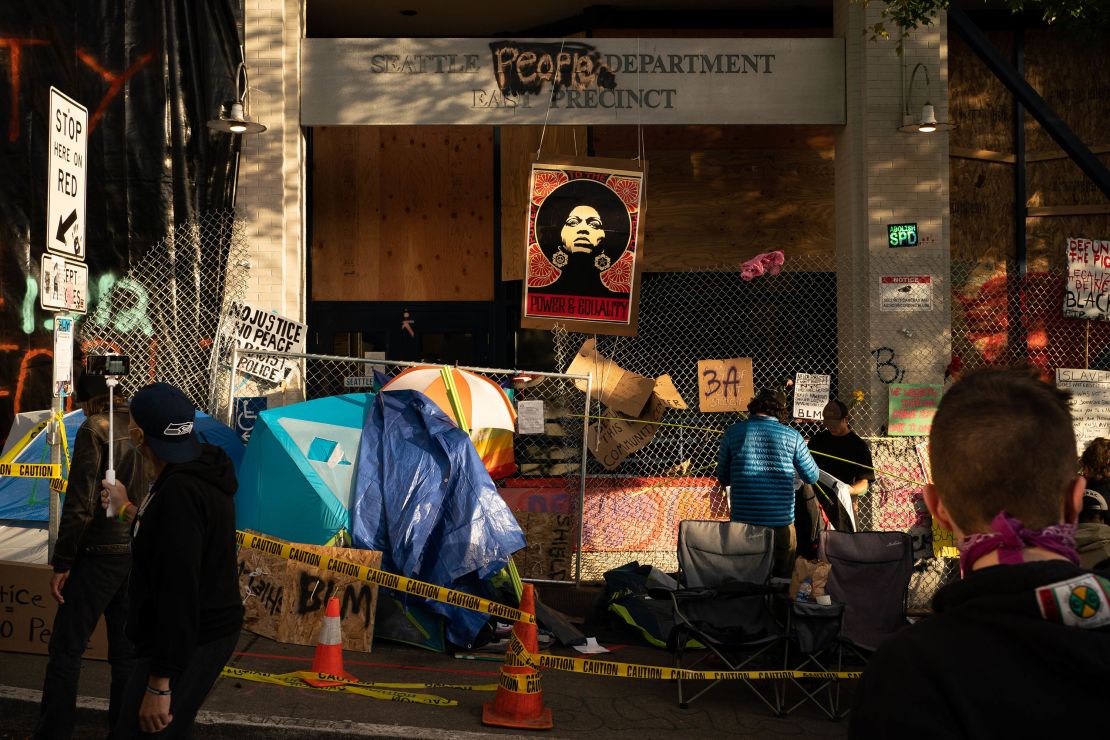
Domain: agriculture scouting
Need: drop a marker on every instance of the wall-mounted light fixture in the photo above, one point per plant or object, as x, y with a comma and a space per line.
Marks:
235, 118
926, 122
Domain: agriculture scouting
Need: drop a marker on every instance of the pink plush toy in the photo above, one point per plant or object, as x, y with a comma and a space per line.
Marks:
769, 262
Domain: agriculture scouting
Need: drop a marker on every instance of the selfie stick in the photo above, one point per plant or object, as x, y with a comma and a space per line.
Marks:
110, 474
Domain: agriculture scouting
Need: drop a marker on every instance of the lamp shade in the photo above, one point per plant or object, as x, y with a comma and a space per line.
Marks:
236, 121
928, 121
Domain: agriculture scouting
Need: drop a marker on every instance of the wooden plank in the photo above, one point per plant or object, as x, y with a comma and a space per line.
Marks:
985, 155
402, 213
1081, 210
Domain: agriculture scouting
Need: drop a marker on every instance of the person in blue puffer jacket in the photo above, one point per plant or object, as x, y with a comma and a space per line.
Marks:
758, 460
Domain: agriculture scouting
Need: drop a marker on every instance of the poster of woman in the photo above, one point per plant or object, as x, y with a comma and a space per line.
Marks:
584, 245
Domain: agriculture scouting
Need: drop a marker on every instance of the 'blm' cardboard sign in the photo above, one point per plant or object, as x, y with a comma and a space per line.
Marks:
285, 599
27, 611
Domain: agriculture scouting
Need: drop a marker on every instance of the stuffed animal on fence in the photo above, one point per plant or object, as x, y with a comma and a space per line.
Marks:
768, 262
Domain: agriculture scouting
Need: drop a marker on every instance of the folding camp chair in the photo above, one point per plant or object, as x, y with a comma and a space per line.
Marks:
868, 584
724, 604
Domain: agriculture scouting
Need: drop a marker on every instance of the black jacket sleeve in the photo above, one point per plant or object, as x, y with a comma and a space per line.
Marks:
82, 498
177, 557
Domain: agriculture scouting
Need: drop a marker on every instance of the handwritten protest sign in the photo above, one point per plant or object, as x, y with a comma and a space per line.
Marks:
1087, 293
1090, 402
725, 385
912, 408
610, 441
811, 393
285, 599
27, 612
259, 329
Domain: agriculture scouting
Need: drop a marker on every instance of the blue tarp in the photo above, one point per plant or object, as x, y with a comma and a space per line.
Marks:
27, 499
423, 497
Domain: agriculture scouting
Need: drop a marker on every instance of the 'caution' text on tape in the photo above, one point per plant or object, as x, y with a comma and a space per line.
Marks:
30, 470
387, 580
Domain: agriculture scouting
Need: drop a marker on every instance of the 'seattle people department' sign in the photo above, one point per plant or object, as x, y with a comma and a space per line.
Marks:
572, 81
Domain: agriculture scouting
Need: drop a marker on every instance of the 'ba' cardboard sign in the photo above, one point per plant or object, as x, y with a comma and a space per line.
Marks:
256, 328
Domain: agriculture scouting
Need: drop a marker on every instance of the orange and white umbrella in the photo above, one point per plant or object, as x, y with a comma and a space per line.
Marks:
481, 401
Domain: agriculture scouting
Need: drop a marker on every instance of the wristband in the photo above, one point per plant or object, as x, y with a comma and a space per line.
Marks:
122, 515
157, 692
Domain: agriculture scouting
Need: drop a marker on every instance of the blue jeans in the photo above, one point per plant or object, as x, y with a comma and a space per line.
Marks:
97, 584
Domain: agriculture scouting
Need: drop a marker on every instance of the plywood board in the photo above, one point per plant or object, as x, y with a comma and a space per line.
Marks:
402, 213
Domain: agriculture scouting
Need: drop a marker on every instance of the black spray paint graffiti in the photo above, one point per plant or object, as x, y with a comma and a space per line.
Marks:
268, 593
524, 67
315, 592
885, 367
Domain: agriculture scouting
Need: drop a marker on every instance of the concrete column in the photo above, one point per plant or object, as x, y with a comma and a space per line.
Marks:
885, 176
271, 194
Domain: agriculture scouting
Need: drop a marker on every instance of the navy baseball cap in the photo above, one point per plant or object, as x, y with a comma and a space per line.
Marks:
166, 416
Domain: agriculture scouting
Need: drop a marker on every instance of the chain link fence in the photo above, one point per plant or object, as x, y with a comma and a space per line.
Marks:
979, 314
538, 474
169, 312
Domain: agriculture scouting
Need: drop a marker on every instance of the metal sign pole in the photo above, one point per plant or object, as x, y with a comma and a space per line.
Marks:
55, 438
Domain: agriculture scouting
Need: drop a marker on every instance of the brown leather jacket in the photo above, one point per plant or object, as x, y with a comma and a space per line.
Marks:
84, 528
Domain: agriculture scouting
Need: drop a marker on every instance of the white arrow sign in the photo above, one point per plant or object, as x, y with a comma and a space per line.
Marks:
64, 285
65, 176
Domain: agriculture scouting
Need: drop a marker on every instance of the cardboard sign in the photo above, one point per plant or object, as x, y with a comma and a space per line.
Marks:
912, 408
610, 442
583, 245
613, 386
1090, 402
285, 599
906, 293
1087, 292
550, 549
668, 394
725, 385
27, 612
811, 395
259, 329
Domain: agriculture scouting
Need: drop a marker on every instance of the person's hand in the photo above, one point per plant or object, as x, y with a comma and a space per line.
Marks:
114, 492
57, 583
154, 714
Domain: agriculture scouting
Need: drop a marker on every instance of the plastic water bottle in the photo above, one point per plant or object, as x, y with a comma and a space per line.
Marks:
805, 590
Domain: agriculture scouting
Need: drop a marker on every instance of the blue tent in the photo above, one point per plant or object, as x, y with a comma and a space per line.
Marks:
298, 472
425, 500
27, 499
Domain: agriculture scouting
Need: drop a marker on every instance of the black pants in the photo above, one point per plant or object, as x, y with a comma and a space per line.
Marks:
97, 584
190, 689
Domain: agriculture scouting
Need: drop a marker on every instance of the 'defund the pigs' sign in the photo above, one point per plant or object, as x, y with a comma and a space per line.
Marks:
1087, 293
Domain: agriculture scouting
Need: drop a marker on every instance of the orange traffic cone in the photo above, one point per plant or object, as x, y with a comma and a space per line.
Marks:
329, 649
519, 699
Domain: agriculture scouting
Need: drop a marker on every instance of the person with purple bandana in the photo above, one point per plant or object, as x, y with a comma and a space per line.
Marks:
1020, 645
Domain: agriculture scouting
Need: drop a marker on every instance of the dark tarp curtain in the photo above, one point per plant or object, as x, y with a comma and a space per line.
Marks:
151, 74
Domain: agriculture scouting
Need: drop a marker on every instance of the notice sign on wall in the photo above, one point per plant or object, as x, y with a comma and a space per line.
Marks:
1090, 402
912, 408
259, 329
725, 385
906, 293
811, 393
1087, 293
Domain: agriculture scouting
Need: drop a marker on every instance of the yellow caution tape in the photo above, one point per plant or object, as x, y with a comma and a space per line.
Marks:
388, 580
17, 448
614, 669
386, 691
58, 485
30, 470
522, 683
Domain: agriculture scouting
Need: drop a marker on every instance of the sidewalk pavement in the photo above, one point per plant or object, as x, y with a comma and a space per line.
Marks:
584, 707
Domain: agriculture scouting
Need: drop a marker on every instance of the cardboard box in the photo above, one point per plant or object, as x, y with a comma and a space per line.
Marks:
27, 612
610, 441
285, 599
613, 386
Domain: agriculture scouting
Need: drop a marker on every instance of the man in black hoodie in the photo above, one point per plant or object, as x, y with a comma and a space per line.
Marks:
91, 561
186, 611
1020, 647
